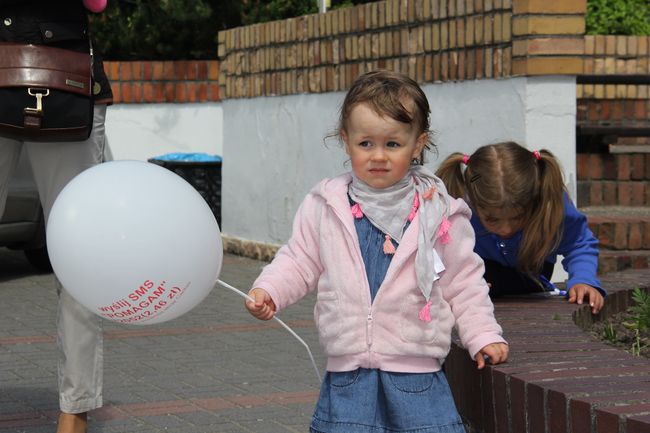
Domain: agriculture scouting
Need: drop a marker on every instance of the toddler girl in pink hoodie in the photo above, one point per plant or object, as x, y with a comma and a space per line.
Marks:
390, 254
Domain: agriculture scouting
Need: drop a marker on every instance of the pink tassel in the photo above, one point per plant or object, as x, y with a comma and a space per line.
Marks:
443, 231
356, 211
414, 209
389, 248
428, 194
425, 313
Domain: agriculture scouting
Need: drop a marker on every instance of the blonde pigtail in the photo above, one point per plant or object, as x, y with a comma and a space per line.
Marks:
544, 229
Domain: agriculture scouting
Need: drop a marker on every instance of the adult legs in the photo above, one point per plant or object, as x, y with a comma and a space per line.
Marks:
80, 366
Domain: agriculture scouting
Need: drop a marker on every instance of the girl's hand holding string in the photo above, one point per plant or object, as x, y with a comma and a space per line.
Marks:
578, 292
496, 353
263, 308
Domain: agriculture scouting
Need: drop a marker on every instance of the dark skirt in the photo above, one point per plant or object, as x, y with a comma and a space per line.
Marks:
375, 401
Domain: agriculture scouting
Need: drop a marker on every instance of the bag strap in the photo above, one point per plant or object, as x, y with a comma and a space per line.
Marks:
40, 66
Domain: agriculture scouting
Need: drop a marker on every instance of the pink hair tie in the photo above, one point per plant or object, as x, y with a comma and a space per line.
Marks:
465, 159
537, 155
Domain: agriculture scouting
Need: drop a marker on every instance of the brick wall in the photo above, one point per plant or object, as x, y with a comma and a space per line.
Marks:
430, 40
558, 379
164, 81
616, 55
614, 105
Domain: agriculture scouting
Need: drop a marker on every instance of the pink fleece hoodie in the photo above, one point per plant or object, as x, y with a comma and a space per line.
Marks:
323, 254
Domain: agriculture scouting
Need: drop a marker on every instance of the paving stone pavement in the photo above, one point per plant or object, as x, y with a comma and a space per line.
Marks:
215, 369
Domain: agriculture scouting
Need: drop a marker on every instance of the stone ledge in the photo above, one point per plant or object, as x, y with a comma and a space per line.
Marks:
558, 379
251, 249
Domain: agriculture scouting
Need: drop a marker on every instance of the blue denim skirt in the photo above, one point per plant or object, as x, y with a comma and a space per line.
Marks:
371, 400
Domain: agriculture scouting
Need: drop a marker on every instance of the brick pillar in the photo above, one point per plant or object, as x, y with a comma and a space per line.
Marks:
548, 36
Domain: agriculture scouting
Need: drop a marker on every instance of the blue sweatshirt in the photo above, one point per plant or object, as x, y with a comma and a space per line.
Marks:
578, 246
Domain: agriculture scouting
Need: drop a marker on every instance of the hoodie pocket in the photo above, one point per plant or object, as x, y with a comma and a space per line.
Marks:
328, 314
411, 328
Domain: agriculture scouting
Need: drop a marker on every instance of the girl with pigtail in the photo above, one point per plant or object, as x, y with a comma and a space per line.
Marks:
523, 218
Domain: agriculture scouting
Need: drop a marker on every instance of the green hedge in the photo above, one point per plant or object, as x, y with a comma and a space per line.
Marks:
618, 17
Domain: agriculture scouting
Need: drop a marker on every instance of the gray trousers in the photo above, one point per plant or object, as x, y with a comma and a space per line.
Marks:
80, 342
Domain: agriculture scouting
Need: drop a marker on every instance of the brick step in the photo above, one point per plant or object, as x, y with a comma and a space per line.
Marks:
613, 192
613, 166
614, 261
620, 227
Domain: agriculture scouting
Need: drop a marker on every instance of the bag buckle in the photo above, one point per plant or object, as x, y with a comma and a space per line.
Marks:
38, 94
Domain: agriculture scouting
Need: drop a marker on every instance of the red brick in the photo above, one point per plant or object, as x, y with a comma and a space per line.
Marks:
628, 109
605, 109
147, 71
617, 110
557, 416
500, 393
158, 71
637, 167
647, 166
137, 91
646, 235
148, 92
624, 194
125, 71
609, 167
181, 91
126, 92
610, 417
610, 193
136, 70
638, 424
180, 70
595, 166
487, 415
620, 236
517, 401
202, 70
596, 194
623, 167
640, 110
582, 166
202, 92
580, 414
214, 92
170, 95
637, 193
535, 408
607, 422
117, 95
191, 92
635, 239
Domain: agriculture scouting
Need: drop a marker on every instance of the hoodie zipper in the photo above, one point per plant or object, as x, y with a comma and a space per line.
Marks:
355, 241
369, 329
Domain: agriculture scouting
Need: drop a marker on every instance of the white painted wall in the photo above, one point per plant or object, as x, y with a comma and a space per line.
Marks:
274, 151
142, 131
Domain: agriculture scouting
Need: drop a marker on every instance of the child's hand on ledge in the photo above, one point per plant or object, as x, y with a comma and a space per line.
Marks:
496, 353
578, 292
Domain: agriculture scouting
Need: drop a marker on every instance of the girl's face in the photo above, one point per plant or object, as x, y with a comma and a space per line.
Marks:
381, 148
503, 222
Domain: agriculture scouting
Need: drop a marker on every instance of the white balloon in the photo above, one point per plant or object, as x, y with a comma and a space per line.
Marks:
134, 242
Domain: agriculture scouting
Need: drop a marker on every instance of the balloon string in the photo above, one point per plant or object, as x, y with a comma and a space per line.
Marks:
284, 325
